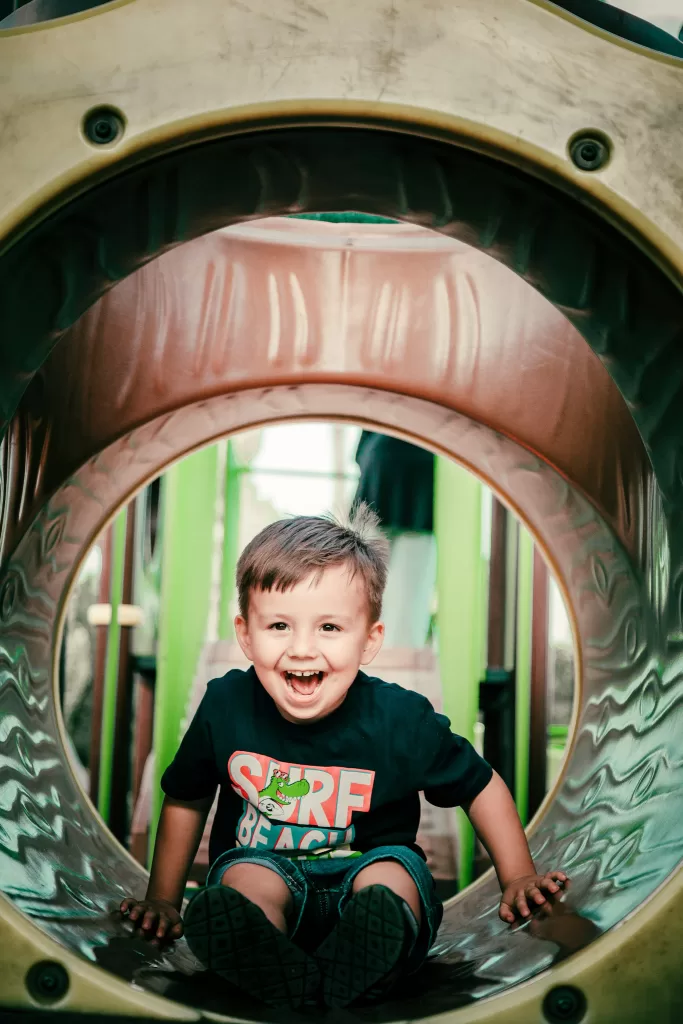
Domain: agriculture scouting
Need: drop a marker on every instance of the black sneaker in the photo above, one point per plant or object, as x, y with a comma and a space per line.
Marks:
367, 945
233, 937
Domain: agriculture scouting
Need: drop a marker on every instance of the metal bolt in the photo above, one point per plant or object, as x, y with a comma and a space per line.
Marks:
47, 981
589, 152
102, 126
565, 1005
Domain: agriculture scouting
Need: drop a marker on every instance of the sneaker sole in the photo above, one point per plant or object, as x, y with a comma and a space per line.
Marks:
364, 947
234, 939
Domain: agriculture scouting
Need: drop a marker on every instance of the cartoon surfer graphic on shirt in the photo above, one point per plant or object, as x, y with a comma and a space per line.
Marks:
276, 799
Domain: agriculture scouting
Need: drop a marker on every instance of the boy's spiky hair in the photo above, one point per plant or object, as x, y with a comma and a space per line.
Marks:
288, 551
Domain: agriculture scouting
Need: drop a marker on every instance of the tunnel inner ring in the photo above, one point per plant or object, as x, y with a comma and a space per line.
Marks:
554, 512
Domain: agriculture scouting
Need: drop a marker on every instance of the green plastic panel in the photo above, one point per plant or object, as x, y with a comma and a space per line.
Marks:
525, 572
461, 613
188, 520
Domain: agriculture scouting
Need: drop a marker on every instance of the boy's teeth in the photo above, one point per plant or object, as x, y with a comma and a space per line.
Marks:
304, 683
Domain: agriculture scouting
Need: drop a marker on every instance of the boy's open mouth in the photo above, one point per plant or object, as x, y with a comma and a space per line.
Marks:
304, 683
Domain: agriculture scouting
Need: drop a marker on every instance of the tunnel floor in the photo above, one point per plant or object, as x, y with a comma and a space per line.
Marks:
455, 974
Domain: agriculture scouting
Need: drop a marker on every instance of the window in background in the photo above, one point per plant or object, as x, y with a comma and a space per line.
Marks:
295, 469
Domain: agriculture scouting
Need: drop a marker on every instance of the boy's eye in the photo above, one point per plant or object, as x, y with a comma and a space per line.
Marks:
330, 626
278, 625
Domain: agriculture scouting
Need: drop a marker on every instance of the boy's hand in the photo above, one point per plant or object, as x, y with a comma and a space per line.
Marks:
520, 891
158, 919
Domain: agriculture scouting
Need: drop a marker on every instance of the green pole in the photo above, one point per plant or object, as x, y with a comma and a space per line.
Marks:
525, 576
233, 476
461, 612
188, 512
111, 665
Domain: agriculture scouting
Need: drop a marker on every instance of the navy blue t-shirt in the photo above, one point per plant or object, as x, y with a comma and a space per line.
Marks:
342, 785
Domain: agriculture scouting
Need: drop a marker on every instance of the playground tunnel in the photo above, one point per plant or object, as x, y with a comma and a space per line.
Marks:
509, 323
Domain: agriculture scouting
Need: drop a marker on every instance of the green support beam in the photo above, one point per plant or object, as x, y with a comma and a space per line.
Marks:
233, 477
111, 665
188, 511
461, 612
525, 576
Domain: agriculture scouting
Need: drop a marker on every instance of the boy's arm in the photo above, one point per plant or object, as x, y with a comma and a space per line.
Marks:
181, 825
494, 817
450, 772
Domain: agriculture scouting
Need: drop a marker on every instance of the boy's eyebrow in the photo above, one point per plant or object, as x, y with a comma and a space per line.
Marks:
325, 616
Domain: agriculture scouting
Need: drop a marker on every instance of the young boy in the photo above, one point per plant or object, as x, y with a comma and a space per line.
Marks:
316, 882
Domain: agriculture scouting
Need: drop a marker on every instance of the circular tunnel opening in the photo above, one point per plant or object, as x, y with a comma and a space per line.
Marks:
237, 488
607, 541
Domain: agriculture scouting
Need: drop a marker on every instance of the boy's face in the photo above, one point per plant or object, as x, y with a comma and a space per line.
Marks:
307, 643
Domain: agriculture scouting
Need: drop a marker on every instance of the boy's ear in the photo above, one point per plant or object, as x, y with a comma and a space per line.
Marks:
373, 643
242, 634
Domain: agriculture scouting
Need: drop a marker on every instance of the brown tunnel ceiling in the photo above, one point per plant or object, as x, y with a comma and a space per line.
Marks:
289, 302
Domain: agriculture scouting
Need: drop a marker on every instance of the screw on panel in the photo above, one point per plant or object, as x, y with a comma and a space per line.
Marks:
47, 982
565, 1005
102, 126
589, 151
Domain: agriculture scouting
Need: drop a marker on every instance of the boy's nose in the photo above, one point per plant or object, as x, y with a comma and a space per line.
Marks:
301, 645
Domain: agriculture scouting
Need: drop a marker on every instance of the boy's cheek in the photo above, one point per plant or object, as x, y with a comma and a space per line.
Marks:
268, 642
266, 652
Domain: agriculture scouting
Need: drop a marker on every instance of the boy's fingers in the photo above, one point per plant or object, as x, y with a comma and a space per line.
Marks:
505, 913
153, 922
535, 894
522, 905
167, 929
149, 920
552, 879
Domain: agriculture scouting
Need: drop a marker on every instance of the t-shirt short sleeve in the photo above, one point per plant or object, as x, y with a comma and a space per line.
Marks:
452, 772
192, 774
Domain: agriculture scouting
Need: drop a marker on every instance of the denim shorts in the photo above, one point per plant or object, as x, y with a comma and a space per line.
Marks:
321, 888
